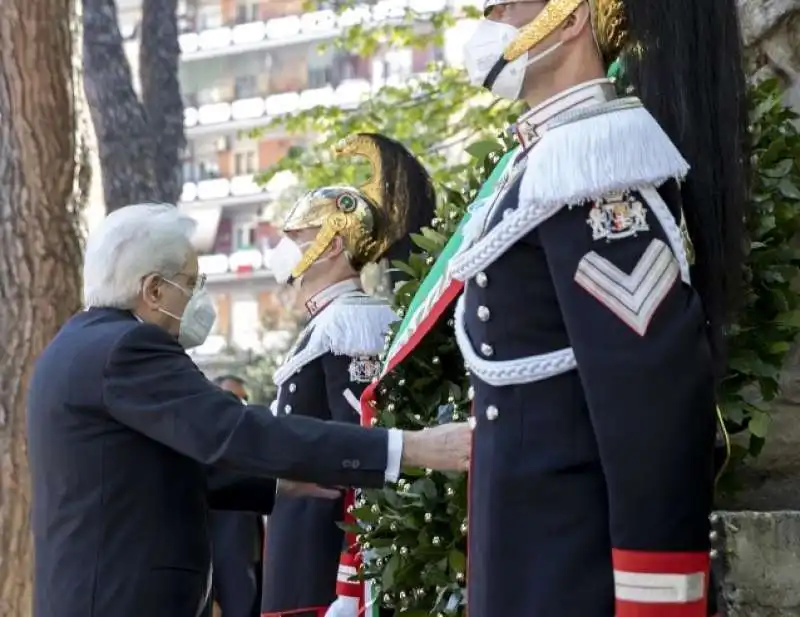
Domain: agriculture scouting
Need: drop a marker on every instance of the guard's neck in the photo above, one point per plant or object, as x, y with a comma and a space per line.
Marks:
531, 125
322, 298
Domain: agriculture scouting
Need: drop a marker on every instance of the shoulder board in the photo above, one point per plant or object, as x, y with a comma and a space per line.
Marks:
612, 147
352, 325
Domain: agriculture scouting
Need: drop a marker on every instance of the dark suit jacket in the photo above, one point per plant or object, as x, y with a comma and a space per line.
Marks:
236, 542
122, 429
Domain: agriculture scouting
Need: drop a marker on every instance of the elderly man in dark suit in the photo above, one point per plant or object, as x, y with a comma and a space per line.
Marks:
124, 431
237, 540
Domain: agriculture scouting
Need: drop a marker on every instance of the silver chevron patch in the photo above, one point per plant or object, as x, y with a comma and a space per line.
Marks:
634, 297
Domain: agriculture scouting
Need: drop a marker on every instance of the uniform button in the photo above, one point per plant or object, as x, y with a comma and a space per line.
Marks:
484, 313
351, 463
471, 393
472, 422
481, 279
492, 412
287, 409
713, 553
713, 536
292, 387
486, 349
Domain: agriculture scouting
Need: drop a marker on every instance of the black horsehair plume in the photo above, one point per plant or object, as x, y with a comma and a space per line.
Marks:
407, 183
690, 76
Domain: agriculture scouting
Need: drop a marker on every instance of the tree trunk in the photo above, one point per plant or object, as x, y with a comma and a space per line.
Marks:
40, 249
125, 143
159, 58
139, 142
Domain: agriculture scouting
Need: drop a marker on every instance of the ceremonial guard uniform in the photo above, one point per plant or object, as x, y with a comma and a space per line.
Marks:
334, 358
593, 286
591, 351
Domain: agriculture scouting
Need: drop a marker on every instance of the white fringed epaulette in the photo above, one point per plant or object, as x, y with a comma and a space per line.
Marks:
583, 156
353, 325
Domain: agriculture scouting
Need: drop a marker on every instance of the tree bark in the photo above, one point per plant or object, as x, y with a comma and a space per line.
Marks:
139, 142
40, 248
159, 58
125, 144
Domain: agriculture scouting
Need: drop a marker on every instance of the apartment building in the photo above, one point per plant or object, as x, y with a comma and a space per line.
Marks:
245, 62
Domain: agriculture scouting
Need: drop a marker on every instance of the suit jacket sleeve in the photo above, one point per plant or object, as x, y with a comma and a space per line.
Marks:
229, 490
153, 387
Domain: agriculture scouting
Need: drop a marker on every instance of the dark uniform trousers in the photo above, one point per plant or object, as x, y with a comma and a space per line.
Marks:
601, 468
303, 539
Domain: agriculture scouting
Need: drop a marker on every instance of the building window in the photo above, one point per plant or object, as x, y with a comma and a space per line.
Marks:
247, 12
246, 236
209, 16
320, 68
245, 163
245, 324
246, 86
208, 170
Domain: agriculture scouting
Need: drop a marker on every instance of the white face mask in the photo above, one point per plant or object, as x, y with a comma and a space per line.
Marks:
197, 319
486, 46
285, 257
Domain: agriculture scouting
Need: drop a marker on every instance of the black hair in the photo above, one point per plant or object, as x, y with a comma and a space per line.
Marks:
687, 68
406, 185
230, 377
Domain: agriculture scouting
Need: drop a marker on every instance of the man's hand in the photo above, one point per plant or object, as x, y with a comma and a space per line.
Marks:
444, 448
306, 489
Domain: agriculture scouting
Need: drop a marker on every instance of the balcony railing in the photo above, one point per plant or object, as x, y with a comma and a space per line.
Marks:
238, 187
246, 263
297, 28
349, 93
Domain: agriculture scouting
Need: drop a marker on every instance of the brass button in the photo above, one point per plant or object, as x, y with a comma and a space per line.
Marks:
492, 412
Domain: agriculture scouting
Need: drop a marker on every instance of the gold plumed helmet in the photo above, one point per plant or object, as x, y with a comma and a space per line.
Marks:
607, 19
397, 199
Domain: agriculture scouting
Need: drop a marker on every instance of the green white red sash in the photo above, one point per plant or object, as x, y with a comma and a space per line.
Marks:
437, 290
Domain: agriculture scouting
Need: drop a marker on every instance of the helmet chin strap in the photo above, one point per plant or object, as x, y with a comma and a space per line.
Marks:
332, 226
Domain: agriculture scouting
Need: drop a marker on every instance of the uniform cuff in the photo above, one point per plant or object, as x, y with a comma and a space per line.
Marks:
394, 456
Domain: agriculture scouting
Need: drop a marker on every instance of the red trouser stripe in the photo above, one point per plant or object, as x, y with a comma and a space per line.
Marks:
660, 584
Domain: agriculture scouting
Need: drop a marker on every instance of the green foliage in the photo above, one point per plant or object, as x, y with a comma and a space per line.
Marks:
417, 529
434, 114
769, 320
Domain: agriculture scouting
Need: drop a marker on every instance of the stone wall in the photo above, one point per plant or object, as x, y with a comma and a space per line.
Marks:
771, 31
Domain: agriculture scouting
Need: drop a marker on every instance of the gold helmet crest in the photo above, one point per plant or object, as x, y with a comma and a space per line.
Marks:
397, 198
608, 21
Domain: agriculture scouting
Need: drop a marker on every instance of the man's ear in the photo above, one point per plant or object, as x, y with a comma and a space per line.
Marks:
152, 291
337, 246
579, 19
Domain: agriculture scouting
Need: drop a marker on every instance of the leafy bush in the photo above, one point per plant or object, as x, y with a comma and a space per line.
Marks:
769, 319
